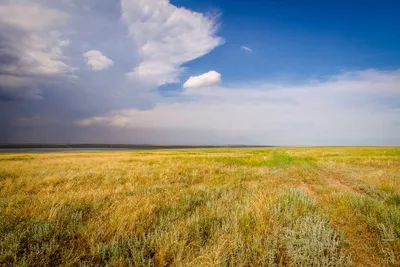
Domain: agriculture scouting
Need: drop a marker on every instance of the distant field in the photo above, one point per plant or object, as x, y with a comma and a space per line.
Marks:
209, 207
116, 146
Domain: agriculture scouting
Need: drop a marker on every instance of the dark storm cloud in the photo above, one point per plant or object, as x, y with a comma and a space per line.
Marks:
14, 85
8, 56
65, 99
9, 41
18, 93
30, 50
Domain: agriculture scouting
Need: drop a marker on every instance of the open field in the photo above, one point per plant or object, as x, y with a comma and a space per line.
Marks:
215, 207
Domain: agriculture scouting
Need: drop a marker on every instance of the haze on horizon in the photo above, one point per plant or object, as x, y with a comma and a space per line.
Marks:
200, 72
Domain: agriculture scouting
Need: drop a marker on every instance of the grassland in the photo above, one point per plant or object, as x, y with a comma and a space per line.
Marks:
216, 207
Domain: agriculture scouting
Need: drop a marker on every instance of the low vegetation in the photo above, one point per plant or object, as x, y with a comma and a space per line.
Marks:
214, 207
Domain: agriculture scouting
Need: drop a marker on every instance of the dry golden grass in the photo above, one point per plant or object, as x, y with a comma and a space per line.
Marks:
217, 207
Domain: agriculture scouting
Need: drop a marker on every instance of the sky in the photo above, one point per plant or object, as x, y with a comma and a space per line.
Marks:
260, 72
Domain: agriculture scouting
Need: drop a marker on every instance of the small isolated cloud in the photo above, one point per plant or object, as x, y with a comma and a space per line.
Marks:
64, 43
115, 121
97, 60
246, 49
204, 80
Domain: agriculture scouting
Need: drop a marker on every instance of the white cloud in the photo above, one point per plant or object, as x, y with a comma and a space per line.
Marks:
167, 37
64, 43
204, 80
115, 120
97, 60
30, 17
30, 49
316, 112
36, 45
246, 48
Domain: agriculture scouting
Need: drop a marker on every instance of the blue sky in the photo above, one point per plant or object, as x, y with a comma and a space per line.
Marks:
302, 38
273, 72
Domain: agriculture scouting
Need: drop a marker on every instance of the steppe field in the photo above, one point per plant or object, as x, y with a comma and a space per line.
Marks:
328, 206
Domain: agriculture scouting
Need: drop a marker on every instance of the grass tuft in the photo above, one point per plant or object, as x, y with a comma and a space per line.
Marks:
7, 175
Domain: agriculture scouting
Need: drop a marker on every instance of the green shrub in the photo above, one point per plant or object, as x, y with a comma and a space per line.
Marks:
379, 216
309, 238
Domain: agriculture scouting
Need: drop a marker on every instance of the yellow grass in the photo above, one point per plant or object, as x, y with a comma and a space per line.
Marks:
216, 207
